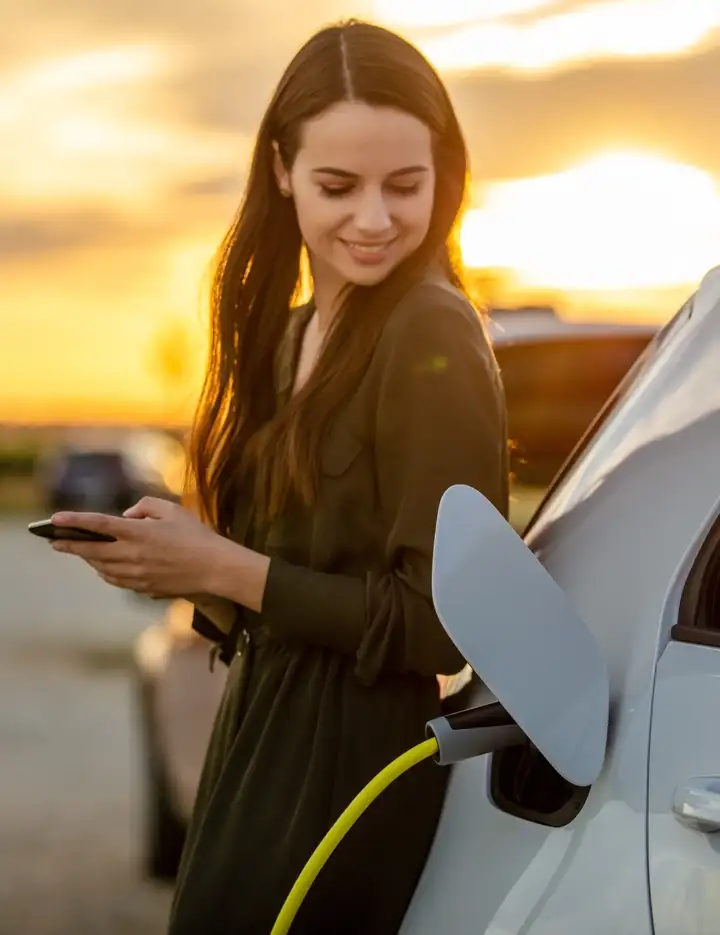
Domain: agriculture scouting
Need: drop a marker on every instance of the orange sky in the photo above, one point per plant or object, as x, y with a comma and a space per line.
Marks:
125, 129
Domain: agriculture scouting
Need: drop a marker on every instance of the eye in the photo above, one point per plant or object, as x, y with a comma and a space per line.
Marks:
405, 190
335, 191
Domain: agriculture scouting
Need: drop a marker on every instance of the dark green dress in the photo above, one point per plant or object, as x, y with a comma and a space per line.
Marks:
337, 676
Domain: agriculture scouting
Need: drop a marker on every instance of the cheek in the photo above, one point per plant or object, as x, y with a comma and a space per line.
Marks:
414, 216
318, 217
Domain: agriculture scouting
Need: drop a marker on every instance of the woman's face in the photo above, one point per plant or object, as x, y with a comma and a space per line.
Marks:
363, 182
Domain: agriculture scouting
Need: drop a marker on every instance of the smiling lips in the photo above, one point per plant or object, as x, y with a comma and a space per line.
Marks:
368, 254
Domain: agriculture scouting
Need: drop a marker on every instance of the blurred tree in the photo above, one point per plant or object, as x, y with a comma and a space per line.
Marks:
172, 360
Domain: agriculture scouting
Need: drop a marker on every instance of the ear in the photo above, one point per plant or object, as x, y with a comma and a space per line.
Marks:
282, 176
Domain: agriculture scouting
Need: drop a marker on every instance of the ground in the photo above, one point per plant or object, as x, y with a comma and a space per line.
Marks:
70, 786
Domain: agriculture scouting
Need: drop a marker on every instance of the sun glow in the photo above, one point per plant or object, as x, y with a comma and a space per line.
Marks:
619, 221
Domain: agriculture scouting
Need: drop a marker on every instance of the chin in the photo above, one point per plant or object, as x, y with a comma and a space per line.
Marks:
373, 278
370, 276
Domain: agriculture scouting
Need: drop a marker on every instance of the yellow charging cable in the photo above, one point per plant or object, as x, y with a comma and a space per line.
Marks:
355, 809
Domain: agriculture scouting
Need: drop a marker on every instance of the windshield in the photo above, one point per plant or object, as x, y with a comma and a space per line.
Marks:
613, 404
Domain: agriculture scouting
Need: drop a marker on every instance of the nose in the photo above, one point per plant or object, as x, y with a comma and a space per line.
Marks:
372, 217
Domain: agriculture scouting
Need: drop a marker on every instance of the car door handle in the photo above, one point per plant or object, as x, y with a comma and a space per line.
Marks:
696, 804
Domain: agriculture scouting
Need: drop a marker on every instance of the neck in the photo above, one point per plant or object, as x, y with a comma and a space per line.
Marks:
327, 295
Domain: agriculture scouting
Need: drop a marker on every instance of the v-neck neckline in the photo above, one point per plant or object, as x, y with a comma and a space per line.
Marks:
299, 321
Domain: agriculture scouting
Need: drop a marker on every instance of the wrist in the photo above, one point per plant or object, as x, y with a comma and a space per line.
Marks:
222, 563
238, 574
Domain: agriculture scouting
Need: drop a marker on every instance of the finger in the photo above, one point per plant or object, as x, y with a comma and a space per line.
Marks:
118, 569
127, 571
150, 508
95, 551
131, 577
126, 582
96, 522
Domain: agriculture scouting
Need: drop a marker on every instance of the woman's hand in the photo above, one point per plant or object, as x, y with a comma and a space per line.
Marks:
162, 549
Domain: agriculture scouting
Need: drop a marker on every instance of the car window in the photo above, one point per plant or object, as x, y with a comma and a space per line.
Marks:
554, 388
699, 611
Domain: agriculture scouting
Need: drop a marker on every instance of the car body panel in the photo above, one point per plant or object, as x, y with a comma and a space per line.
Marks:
684, 864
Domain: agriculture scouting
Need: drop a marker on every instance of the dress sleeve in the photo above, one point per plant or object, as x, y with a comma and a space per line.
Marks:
220, 621
440, 420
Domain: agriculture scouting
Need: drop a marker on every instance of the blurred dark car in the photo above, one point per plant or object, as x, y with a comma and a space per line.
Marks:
557, 376
90, 480
99, 479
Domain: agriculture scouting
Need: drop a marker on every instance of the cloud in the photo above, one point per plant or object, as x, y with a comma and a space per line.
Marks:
83, 127
241, 30
530, 36
212, 186
130, 109
204, 202
516, 127
427, 14
24, 236
132, 112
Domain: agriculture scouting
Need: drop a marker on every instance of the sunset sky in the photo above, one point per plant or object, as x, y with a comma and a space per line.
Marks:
125, 129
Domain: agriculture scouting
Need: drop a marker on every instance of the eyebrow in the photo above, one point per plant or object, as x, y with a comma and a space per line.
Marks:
343, 174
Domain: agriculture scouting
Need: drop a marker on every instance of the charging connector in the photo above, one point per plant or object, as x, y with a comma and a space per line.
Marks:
473, 732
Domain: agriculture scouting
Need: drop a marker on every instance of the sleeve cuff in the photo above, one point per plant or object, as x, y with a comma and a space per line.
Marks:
314, 607
225, 643
205, 627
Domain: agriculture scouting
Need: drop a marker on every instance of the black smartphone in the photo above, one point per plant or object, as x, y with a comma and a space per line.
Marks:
48, 530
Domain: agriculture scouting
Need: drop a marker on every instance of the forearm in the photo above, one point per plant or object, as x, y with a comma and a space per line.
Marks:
377, 617
237, 574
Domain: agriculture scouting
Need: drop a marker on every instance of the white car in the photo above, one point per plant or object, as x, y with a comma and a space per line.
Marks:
557, 375
606, 819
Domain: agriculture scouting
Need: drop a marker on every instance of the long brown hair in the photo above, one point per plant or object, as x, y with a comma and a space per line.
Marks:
239, 437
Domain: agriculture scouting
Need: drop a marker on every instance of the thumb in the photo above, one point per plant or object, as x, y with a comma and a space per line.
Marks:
149, 508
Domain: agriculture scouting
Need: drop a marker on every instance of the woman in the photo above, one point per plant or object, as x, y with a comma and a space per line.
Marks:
325, 438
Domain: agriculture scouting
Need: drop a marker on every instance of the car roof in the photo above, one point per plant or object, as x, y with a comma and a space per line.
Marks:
523, 326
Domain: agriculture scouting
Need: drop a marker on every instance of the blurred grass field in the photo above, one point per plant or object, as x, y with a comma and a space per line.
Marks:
19, 497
